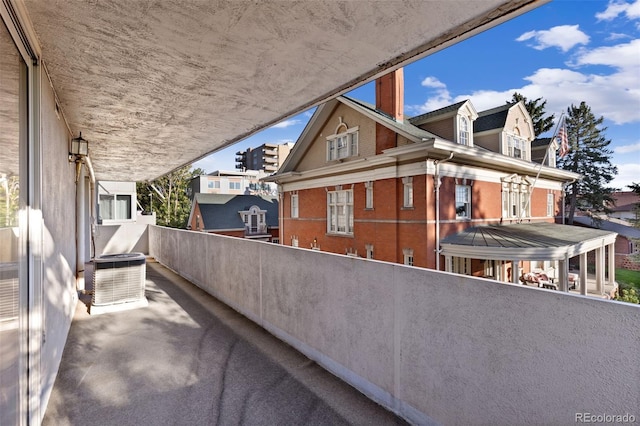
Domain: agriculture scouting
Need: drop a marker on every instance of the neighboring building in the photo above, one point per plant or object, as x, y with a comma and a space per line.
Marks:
116, 202
627, 205
267, 157
242, 216
627, 243
362, 180
232, 182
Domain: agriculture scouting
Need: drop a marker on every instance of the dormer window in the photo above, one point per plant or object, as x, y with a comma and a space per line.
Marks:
463, 133
254, 220
343, 144
517, 147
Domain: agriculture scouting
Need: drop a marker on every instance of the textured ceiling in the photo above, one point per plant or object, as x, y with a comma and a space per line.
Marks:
157, 84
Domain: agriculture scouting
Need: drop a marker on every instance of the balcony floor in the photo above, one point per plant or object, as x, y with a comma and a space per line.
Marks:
188, 359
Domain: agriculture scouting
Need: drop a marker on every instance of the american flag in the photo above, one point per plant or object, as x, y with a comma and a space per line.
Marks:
562, 140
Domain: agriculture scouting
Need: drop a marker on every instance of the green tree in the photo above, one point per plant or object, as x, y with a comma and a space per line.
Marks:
535, 108
168, 196
589, 156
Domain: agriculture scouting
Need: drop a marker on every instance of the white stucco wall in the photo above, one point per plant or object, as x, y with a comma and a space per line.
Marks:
124, 238
58, 249
433, 347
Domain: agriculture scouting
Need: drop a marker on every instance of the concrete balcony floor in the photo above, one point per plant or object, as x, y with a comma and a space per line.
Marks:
188, 359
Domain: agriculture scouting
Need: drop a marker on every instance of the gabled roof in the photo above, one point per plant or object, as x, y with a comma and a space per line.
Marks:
494, 118
607, 225
540, 142
322, 113
403, 127
432, 114
422, 140
220, 211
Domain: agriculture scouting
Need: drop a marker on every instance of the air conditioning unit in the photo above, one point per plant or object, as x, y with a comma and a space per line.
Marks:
9, 294
118, 282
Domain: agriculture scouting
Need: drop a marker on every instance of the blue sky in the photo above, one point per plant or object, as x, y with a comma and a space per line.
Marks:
565, 52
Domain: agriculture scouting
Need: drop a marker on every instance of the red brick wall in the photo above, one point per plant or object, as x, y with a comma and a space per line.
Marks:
390, 227
194, 219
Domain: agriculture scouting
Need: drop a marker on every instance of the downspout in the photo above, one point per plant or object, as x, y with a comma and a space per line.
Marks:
92, 203
80, 226
436, 181
80, 218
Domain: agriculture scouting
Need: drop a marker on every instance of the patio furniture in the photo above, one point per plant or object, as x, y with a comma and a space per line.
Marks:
539, 279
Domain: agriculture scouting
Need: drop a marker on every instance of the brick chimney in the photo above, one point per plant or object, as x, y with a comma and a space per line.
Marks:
390, 100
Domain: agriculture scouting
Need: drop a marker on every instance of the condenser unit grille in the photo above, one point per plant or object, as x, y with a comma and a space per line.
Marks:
118, 279
9, 291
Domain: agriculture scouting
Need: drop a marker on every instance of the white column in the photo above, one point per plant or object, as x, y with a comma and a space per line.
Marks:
612, 264
600, 270
448, 260
563, 271
583, 274
515, 271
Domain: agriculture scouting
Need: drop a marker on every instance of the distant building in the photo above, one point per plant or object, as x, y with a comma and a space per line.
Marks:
627, 205
242, 216
626, 248
116, 202
232, 182
267, 157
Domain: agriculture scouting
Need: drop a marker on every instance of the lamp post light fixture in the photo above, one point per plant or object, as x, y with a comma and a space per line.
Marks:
79, 146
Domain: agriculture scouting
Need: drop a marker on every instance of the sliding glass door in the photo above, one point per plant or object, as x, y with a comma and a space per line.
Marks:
13, 230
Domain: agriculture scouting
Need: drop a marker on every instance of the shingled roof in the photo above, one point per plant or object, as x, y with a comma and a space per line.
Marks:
432, 114
494, 118
220, 211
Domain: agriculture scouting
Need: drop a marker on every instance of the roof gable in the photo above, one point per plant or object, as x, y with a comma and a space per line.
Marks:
322, 119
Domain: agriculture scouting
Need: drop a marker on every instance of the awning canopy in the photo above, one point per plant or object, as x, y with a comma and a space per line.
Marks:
525, 241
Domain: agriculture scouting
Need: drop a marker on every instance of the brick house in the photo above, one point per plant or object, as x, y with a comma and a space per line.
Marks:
363, 180
241, 216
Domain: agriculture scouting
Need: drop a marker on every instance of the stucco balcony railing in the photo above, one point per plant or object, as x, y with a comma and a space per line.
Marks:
433, 347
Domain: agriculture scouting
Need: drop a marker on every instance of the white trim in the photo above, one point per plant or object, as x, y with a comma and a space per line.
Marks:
314, 179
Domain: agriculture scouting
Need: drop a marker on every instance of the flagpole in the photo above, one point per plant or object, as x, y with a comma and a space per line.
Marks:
546, 154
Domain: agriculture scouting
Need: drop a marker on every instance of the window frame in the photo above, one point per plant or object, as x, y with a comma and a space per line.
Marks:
463, 131
368, 195
467, 203
295, 206
407, 257
343, 145
407, 192
113, 218
340, 212
517, 142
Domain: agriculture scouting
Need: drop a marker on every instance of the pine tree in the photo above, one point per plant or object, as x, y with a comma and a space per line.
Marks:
168, 197
535, 108
590, 157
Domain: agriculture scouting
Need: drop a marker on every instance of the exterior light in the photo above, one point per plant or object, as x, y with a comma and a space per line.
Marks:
79, 146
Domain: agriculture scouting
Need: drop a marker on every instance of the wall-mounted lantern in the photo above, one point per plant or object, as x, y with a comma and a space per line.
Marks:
79, 146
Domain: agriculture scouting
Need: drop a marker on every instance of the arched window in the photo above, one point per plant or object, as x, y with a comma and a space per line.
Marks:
463, 134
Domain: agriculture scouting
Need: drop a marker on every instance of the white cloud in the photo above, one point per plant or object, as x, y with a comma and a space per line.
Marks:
441, 97
564, 37
286, 123
433, 83
616, 8
617, 36
626, 149
627, 174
